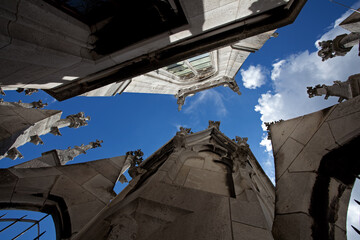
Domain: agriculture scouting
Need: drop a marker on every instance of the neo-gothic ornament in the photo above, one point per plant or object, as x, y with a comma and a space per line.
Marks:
70, 153
343, 90
214, 124
135, 161
28, 91
78, 120
36, 140
14, 154
39, 104
241, 141
184, 131
340, 46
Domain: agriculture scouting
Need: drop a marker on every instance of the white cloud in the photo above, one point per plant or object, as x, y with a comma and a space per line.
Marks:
207, 97
292, 75
275, 73
253, 77
265, 142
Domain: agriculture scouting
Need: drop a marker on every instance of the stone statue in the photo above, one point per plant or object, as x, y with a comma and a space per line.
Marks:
340, 46
78, 120
135, 161
343, 90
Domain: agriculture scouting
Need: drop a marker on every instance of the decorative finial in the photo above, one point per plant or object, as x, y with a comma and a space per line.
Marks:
28, 91
184, 131
78, 120
241, 141
39, 104
340, 46
214, 124
70, 153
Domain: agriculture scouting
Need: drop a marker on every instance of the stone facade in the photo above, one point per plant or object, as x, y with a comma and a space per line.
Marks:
198, 186
316, 162
46, 46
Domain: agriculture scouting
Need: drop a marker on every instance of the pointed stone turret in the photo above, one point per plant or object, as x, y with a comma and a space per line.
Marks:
24, 122
210, 188
70, 153
58, 157
39, 104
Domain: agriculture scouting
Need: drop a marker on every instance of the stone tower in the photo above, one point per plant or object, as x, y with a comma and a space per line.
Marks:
197, 186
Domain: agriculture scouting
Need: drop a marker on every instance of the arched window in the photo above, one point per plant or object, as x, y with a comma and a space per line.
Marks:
21, 224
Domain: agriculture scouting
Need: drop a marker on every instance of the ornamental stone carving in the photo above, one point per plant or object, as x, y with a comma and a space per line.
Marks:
36, 140
55, 131
39, 104
28, 91
78, 120
214, 124
340, 46
184, 131
241, 141
70, 153
135, 160
13, 154
343, 90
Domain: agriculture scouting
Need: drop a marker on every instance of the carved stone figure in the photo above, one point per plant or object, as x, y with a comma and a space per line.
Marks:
135, 161
343, 90
340, 46
78, 120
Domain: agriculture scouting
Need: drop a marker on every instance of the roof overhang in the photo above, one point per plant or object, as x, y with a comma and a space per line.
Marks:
202, 43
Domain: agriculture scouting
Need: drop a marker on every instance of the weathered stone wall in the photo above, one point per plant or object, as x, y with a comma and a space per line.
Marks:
316, 165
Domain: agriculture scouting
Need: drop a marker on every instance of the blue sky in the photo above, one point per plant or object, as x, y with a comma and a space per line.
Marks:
272, 81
